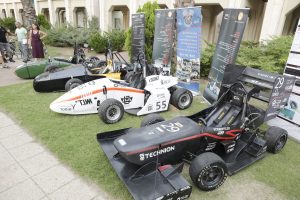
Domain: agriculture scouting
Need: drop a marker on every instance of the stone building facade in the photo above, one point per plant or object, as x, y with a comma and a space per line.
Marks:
267, 17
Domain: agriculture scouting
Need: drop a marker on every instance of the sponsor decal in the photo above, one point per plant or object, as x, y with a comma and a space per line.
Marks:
84, 102
172, 127
126, 99
155, 78
163, 82
222, 129
220, 133
210, 146
161, 96
122, 142
145, 156
150, 107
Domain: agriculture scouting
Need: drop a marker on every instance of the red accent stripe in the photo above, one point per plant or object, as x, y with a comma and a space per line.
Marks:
231, 132
190, 138
101, 90
198, 136
164, 167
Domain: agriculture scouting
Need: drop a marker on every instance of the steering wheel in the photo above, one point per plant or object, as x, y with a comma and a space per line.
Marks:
237, 87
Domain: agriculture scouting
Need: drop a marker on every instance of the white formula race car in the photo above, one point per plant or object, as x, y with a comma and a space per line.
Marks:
110, 98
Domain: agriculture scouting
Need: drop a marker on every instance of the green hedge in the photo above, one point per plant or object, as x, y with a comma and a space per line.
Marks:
99, 41
270, 55
8, 23
43, 22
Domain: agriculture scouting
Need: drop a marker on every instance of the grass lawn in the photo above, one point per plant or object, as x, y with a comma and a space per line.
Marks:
73, 140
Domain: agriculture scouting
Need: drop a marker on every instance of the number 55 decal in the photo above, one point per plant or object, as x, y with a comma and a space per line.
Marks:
160, 105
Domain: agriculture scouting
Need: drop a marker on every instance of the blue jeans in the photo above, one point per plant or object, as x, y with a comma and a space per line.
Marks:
24, 51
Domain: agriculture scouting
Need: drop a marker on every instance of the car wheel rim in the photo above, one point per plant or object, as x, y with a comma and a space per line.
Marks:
184, 100
280, 143
74, 86
212, 176
113, 113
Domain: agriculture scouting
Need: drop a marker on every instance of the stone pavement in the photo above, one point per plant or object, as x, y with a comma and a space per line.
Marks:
7, 76
28, 171
292, 129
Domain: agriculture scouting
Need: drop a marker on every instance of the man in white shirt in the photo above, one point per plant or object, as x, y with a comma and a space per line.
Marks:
21, 33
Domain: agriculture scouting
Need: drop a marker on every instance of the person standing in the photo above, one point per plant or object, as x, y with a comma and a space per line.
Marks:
4, 45
21, 33
35, 37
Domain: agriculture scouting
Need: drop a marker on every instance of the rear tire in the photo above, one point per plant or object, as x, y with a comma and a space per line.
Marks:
111, 111
50, 68
182, 98
72, 83
276, 139
208, 171
151, 119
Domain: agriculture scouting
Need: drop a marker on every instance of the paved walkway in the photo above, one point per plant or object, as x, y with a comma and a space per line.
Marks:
28, 171
7, 76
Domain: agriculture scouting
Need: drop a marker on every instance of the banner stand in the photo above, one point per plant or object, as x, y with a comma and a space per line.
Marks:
230, 36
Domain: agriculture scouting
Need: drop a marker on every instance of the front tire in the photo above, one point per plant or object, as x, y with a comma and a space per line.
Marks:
152, 119
276, 139
208, 171
182, 98
72, 83
111, 111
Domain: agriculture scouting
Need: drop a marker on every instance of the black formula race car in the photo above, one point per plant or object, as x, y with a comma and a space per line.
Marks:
216, 142
65, 79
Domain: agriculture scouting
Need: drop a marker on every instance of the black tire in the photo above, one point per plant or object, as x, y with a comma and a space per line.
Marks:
50, 68
151, 119
72, 83
111, 111
276, 139
182, 98
208, 171
93, 58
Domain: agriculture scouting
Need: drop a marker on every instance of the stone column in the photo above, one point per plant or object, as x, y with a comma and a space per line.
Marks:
51, 12
133, 6
271, 19
17, 15
68, 14
6, 10
36, 7
102, 10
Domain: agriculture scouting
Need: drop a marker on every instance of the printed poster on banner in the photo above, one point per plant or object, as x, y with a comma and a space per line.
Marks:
189, 22
138, 36
291, 112
230, 36
163, 40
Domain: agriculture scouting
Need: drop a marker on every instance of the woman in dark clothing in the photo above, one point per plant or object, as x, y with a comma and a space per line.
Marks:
35, 37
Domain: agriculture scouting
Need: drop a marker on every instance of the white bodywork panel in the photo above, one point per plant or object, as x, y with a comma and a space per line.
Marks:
86, 98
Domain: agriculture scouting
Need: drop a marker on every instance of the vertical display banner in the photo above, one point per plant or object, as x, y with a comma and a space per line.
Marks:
230, 36
281, 91
163, 40
189, 21
138, 36
291, 112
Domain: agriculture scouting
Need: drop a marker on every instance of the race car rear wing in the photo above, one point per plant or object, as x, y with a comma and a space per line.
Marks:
275, 89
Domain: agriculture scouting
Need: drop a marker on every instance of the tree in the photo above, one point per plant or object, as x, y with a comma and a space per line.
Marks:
29, 12
149, 10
